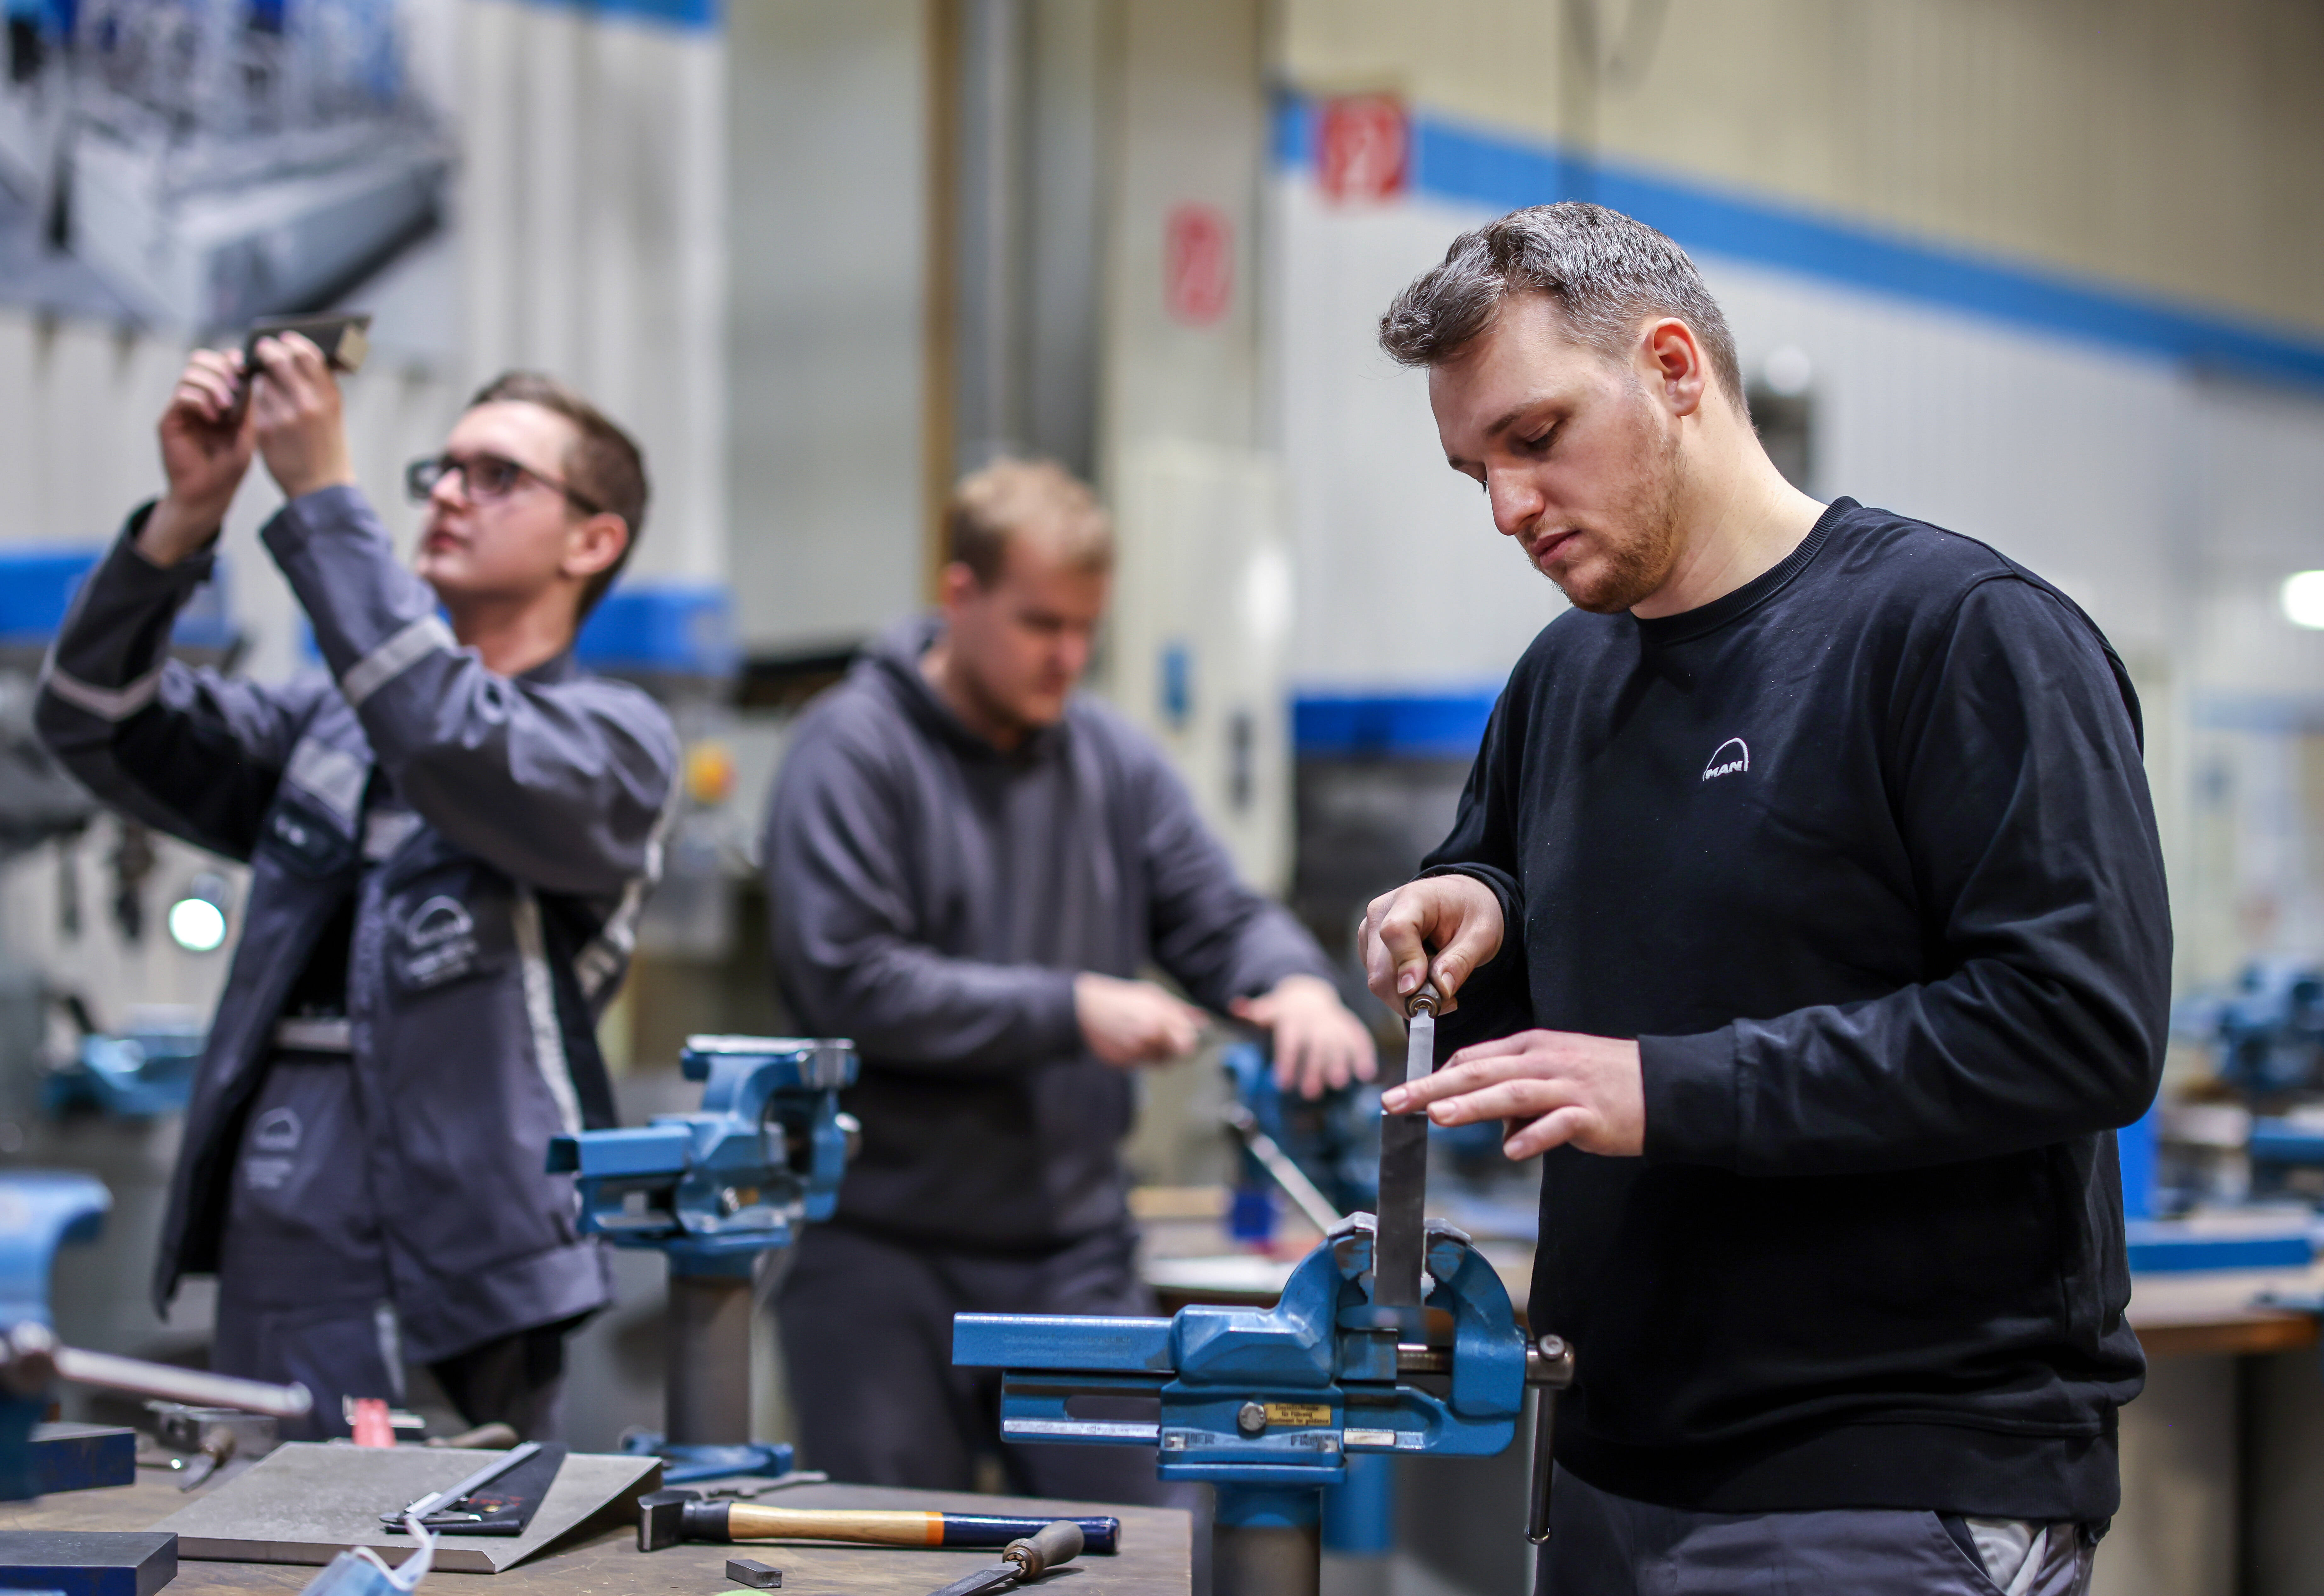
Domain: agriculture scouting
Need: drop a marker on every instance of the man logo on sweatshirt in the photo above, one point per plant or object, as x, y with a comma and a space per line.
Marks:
1729, 758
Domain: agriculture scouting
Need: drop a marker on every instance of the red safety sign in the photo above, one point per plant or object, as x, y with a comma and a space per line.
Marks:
1197, 263
1363, 147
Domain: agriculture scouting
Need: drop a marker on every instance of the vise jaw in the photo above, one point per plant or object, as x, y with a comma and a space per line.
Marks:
717, 1188
1277, 1397
39, 1213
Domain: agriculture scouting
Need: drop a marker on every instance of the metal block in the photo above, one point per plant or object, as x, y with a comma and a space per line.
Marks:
87, 1563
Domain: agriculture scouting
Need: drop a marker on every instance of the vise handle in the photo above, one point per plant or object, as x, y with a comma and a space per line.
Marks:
1549, 1369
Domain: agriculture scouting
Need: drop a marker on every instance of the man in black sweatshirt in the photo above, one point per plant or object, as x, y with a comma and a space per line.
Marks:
1805, 909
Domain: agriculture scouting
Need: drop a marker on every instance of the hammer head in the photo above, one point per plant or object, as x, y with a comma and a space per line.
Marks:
661, 1519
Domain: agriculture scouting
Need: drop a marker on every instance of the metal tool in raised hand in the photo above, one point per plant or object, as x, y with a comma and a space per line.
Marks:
475, 1482
1404, 1171
1053, 1546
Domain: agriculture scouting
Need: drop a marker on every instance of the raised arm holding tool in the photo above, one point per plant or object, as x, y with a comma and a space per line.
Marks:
450, 831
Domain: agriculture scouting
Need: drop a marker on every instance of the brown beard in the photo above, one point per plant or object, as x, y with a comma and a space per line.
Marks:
1637, 560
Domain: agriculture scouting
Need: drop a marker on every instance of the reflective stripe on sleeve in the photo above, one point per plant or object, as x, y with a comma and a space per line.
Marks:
107, 704
392, 658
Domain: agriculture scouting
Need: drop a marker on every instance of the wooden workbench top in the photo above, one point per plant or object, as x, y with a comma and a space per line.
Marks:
1156, 1557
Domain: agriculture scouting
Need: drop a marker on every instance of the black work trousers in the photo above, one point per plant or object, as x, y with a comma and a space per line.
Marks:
867, 1339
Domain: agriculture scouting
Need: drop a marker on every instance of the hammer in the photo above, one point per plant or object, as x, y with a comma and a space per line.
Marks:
666, 1517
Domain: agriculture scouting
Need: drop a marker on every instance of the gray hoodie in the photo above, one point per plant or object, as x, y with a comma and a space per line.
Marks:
934, 897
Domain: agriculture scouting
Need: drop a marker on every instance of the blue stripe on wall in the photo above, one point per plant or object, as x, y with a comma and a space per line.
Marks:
1398, 725
677, 13
1456, 161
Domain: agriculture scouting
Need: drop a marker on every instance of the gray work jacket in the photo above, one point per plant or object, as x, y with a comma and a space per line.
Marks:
498, 834
934, 897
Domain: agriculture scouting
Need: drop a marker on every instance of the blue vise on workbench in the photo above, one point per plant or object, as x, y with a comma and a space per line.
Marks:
723, 1194
715, 1188
1268, 1403
39, 1213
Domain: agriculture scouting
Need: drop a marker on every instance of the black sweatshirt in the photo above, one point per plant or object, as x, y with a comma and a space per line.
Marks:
1863, 854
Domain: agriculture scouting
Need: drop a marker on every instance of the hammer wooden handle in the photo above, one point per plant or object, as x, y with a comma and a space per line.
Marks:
746, 1521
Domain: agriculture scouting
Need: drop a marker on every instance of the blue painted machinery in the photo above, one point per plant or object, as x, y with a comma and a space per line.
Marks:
146, 1075
2266, 1038
1271, 1406
40, 1212
1333, 1143
721, 1193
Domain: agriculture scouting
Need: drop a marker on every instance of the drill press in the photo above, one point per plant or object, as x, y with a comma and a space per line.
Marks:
722, 1193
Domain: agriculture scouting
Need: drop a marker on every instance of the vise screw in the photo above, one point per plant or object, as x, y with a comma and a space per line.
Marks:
722, 1193
1268, 1403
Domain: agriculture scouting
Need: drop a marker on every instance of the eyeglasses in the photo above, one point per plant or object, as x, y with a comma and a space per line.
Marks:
486, 479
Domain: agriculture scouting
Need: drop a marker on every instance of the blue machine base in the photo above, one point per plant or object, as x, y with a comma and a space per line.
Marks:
1360, 1515
83, 1457
2162, 1246
1261, 1507
682, 1465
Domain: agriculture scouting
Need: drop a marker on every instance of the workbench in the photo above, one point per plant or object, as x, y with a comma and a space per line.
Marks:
1156, 1557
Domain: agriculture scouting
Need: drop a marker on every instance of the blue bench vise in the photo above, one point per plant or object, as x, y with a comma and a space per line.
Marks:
40, 1212
722, 1193
1268, 1404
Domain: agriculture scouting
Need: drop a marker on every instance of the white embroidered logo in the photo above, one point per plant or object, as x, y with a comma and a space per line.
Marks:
1730, 757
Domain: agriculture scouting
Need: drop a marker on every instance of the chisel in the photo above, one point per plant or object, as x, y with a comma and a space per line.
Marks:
1397, 1244
1056, 1542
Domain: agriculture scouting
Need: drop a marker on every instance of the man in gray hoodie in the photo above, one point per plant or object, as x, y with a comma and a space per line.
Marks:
970, 863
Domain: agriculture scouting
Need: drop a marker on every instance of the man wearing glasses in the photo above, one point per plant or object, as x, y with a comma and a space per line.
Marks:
449, 836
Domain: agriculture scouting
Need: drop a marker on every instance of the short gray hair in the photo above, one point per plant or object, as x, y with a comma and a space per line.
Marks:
1607, 271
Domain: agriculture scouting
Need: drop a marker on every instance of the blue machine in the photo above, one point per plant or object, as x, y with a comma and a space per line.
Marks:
40, 1212
1333, 1139
1270, 1405
143, 1076
2267, 1034
722, 1193
2266, 1038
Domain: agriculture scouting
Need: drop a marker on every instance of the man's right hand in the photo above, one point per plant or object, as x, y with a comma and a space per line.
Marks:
1457, 915
1133, 1022
206, 449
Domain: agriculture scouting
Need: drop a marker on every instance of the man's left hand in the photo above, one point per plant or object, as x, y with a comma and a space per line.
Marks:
1565, 1087
295, 410
1317, 1042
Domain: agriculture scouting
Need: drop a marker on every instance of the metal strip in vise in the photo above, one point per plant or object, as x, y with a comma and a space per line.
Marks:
1403, 1172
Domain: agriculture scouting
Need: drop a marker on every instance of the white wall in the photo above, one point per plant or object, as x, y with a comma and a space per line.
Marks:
828, 190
